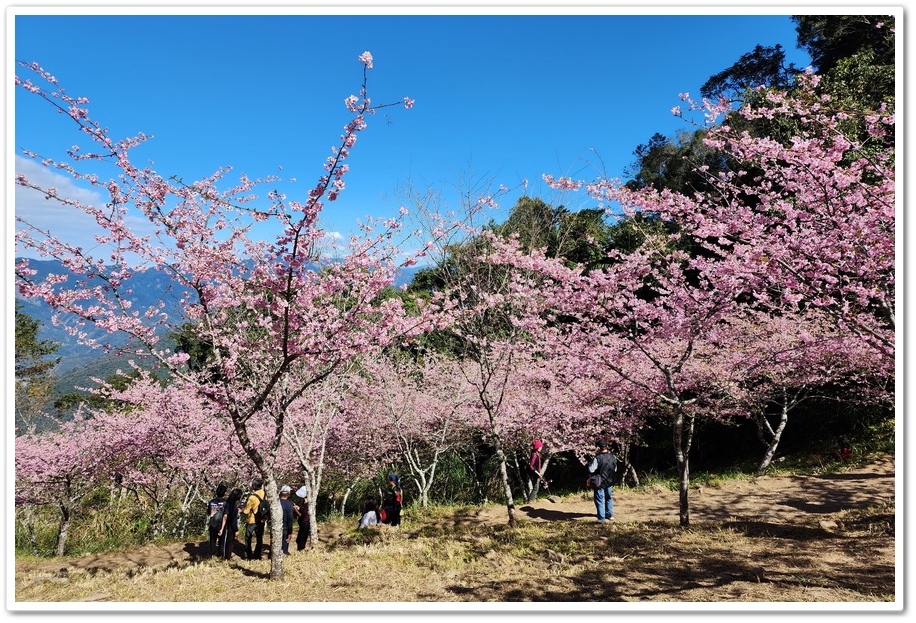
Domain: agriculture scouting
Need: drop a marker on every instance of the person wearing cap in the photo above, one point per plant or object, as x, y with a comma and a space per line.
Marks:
393, 501
535, 465
604, 463
289, 512
303, 518
254, 530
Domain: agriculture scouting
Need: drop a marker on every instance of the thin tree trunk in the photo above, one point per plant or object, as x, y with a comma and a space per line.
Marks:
683, 439
313, 523
773, 443
628, 471
343, 502
769, 436
64, 529
507, 488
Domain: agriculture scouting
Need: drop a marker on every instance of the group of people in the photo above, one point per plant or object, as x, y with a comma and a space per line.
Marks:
389, 512
228, 511
225, 513
603, 464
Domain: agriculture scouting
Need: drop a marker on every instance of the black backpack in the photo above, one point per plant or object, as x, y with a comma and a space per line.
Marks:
595, 481
216, 517
262, 512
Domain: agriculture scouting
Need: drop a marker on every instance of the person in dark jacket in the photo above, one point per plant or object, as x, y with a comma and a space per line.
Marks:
303, 518
604, 463
393, 501
289, 512
213, 507
230, 523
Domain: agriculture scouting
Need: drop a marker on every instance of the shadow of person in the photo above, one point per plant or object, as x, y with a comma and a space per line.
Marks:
198, 551
551, 515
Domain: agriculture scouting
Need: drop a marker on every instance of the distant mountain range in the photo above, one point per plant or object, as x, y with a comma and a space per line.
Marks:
148, 288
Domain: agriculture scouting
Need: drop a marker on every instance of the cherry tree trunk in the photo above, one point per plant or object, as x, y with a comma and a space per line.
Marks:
64, 529
504, 478
272, 496
770, 436
683, 439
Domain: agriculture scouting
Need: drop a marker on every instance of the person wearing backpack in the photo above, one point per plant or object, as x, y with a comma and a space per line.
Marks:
254, 524
603, 465
215, 519
230, 525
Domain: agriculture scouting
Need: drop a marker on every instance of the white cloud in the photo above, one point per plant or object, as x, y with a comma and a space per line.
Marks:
65, 222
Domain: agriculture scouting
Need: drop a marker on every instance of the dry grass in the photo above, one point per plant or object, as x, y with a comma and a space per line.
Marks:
556, 553
537, 561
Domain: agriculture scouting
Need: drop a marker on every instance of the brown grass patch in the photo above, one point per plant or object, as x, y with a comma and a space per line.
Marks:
738, 550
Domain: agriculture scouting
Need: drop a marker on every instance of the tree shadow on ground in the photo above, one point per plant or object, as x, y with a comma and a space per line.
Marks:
813, 495
765, 529
667, 570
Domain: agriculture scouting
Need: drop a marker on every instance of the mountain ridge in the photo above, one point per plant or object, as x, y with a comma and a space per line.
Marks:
148, 288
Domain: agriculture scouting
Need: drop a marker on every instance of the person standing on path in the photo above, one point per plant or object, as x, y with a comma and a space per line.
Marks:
303, 518
213, 521
536, 467
393, 501
604, 463
230, 525
289, 512
254, 530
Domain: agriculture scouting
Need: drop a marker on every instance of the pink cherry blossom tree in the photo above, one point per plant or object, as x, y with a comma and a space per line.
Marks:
329, 429
528, 378
559, 405
153, 449
359, 445
779, 362
807, 221
275, 318
53, 470
645, 321
811, 226
164, 441
490, 349
421, 406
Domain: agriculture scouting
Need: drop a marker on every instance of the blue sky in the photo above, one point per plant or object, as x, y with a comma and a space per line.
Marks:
498, 97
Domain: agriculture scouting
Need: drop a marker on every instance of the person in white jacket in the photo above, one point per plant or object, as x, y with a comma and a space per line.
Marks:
370, 514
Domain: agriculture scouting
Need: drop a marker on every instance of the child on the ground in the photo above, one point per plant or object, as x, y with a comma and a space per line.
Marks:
370, 514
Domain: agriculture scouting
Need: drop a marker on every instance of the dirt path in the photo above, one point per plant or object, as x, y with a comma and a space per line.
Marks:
769, 498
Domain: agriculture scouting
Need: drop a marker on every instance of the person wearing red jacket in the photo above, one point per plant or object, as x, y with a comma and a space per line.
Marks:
536, 463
